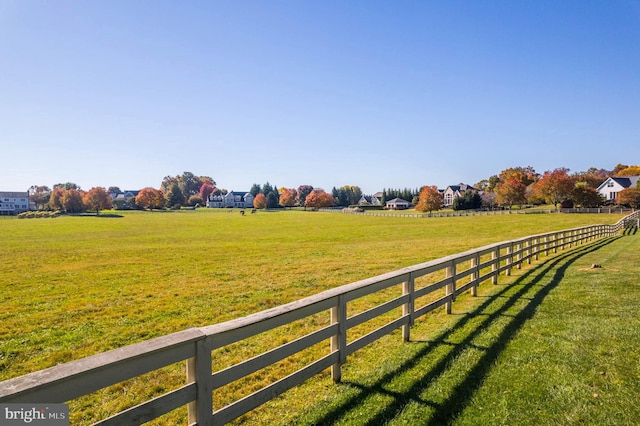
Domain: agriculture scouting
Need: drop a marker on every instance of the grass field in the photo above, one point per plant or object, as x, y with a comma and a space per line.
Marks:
556, 344
75, 286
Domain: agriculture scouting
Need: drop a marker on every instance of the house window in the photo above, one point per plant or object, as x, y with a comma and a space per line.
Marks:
610, 184
612, 195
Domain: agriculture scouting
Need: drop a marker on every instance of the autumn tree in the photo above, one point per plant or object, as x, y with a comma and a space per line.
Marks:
430, 199
555, 186
318, 198
150, 198
303, 192
629, 171
195, 200
72, 201
617, 169
97, 199
206, 189
629, 197
188, 183
288, 197
592, 177
39, 195
260, 201
271, 195
55, 199
512, 185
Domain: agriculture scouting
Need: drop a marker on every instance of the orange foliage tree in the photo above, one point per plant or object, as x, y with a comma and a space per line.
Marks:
72, 201
318, 198
555, 186
430, 199
288, 197
260, 202
150, 198
97, 199
630, 197
629, 171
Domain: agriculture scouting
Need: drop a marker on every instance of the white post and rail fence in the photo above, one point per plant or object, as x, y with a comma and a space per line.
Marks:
420, 289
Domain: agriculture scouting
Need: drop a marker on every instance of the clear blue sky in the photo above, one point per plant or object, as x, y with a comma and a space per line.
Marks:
328, 93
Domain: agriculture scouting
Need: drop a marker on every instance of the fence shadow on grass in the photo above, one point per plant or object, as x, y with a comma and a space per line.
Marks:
445, 412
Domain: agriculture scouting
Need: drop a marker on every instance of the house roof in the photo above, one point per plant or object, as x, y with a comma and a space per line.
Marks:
7, 194
398, 201
627, 181
461, 187
623, 181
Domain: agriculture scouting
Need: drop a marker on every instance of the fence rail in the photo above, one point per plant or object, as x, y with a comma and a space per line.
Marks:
422, 288
459, 213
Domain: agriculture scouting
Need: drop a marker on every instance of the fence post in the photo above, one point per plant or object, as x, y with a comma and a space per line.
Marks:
546, 245
536, 248
339, 340
200, 411
451, 286
475, 261
509, 259
407, 308
495, 263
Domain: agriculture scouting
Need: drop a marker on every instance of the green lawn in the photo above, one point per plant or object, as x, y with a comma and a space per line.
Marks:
557, 344
75, 286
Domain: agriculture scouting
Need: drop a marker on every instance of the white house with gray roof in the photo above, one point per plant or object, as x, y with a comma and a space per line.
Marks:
12, 203
609, 188
454, 191
242, 200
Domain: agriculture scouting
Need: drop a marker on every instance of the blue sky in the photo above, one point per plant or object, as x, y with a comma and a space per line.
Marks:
327, 93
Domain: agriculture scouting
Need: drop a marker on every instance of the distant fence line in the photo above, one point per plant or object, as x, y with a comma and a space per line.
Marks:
417, 290
473, 212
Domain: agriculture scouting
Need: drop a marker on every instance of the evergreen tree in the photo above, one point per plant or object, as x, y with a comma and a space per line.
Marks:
174, 196
255, 189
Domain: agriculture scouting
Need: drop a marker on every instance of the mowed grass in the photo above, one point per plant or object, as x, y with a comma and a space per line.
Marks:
555, 344
75, 286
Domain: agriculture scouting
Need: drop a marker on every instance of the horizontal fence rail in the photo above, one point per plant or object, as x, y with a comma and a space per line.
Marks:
459, 213
409, 293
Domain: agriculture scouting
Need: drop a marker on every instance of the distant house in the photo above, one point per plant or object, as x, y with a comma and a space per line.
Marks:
242, 200
372, 200
12, 203
123, 195
609, 188
397, 204
453, 191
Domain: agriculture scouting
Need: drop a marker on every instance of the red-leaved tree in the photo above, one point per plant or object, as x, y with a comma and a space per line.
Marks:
205, 190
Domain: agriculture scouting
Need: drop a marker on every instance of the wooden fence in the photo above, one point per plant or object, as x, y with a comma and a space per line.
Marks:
460, 213
421, 289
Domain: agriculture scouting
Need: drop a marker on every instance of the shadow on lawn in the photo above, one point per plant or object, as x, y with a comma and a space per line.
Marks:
447, 411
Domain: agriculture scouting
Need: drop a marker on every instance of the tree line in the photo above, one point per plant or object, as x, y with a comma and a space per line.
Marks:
523, 185
512, 186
